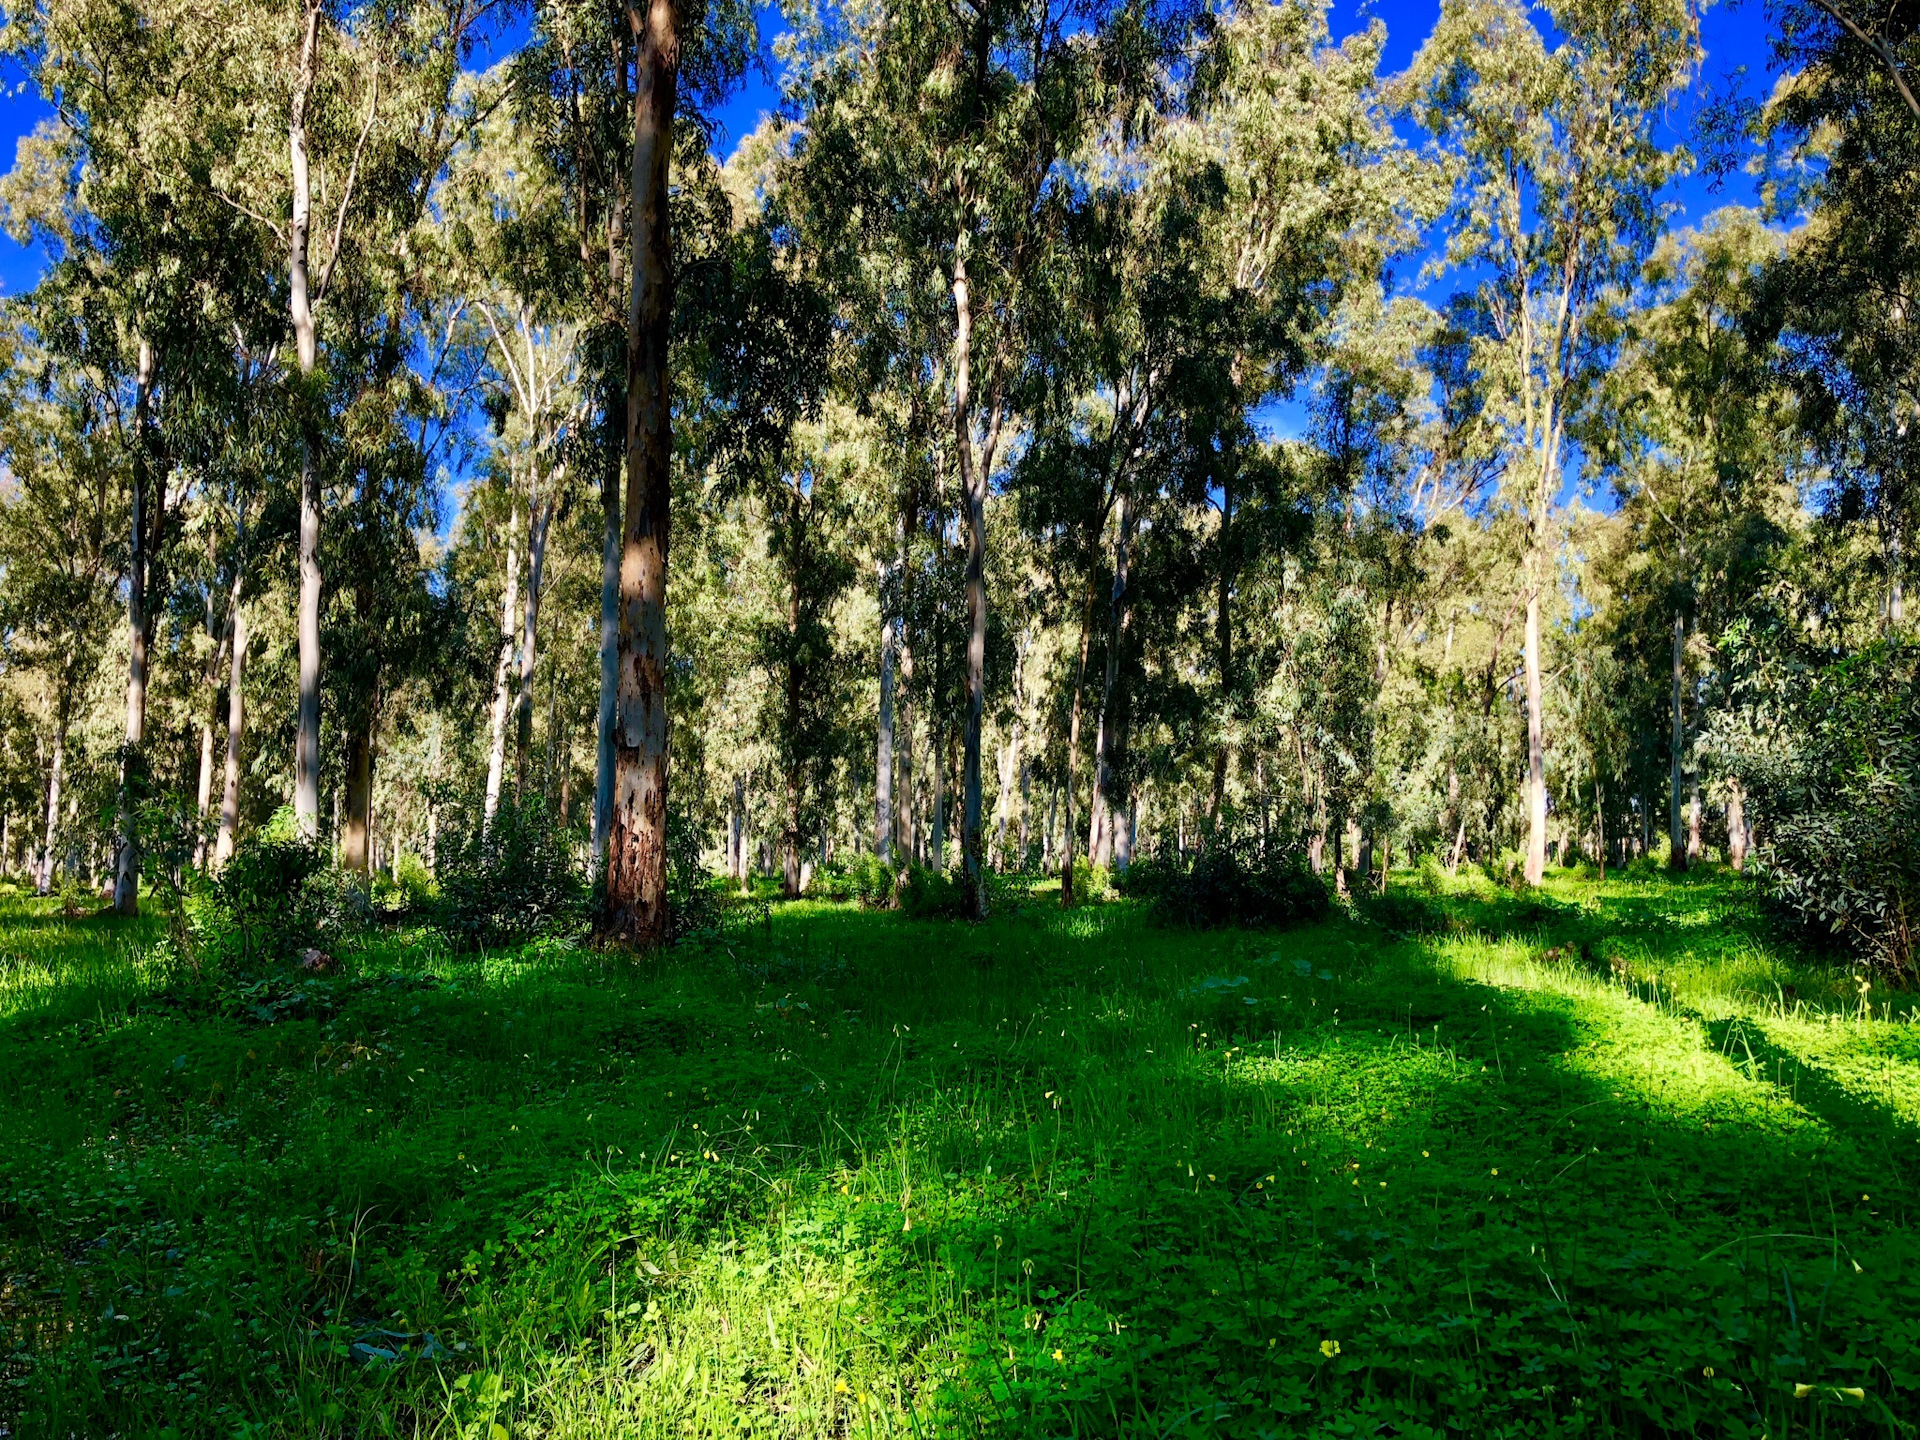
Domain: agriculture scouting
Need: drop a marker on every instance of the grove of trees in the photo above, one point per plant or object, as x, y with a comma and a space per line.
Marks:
1061, 434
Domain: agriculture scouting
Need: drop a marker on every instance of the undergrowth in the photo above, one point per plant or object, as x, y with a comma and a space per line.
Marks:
1592, 1161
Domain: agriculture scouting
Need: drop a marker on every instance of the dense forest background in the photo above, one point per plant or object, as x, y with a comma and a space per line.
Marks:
1091, 432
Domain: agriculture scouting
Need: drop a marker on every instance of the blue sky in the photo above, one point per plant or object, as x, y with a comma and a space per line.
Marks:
1736, 36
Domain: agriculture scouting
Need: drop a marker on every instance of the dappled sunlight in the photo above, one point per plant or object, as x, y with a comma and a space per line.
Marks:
1085, 1173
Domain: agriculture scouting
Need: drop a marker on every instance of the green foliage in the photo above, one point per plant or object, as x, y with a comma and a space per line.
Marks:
1229, 882
506, 882
926, 894
1091, 882
1070, 1171
872, 881
694, 901
1831, 754
274, 898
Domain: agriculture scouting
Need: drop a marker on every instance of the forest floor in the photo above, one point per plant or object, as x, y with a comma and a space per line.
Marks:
1600, 1161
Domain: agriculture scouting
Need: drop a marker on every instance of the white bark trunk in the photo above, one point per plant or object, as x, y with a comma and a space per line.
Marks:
883, 749
503, 670
126, 883
236, 735
44, 880
1536, 753
306, 755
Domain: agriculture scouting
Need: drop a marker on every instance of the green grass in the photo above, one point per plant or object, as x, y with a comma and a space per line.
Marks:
1601, 1161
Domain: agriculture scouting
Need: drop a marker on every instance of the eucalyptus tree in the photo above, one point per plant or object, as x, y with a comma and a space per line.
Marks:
1844, 298
152, 279
703, 49
1308, 193
1699, 436
1557, 171
933, 134
60, 518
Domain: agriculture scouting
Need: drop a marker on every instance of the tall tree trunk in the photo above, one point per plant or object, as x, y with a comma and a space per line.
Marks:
503, 670
1026, 809
940, 781
1736, 825
793, 881
57, 773
1003, 804
609, 648
539, 518
1536, 740
883, 750
737, 833
1223, 639
1011, 761
973, 484
356, 827
1101, 851
907, 829
236, 736
636, 903
1600, 825
1694, 848
126, 881
306, 745
1073, 745
1676, 799
216, 662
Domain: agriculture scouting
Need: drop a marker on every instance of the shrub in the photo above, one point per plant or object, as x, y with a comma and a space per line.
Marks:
1230, 882
871, 881
929, 895
504, 883
1090, 881
275, 897
1432, 877
694, 899
1829, 753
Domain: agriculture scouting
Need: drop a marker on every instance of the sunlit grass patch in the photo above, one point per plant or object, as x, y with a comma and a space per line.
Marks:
850, 1173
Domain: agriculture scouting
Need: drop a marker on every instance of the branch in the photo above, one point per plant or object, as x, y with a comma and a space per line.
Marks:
1878, 47
254, 215
346, 194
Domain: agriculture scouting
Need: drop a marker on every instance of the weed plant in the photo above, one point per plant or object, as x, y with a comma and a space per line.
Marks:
1596, 1160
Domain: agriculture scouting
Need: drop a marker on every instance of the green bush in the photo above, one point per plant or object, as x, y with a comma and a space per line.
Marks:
506, 882
871, 881
929, 894
1230, 882
276, 897
1090, 881
1829, 753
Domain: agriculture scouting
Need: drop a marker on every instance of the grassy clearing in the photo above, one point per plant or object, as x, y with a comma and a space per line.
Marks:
1597, 1162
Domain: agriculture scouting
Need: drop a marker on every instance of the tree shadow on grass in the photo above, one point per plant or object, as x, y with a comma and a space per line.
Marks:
1087, 1186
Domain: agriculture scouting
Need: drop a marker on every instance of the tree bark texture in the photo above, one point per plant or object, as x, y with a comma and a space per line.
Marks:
1736, 825
145, 534
1536, 742
1676, 794
306, 746
539, 519
973, 484
603, 764
236, 735
883, 749
1110, 808
357, 824
636, 890
503, 671
57, 774
1073, 746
